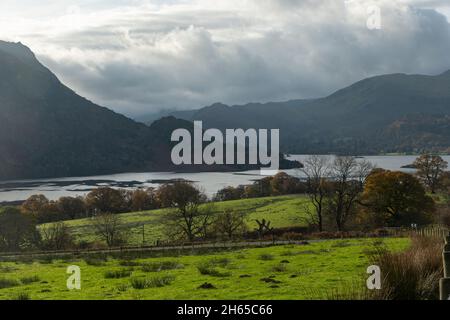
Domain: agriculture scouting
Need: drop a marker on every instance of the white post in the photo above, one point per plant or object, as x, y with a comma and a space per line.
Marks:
444, 283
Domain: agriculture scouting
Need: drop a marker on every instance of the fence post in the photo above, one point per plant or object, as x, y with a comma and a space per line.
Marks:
444, 283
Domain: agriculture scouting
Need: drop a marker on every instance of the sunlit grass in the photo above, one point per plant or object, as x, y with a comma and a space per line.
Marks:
293, 272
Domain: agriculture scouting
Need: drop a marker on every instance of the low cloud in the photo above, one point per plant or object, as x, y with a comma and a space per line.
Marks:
149, 56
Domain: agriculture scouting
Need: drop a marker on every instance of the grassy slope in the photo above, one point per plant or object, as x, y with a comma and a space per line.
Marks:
312, 271
282, 211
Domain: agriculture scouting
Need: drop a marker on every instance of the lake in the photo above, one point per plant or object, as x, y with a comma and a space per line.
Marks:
209, 182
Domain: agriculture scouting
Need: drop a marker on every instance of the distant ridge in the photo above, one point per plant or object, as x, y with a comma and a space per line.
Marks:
382, 114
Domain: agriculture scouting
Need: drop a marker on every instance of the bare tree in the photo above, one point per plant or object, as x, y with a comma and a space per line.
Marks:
56, 236
230, 223
109, 228
430, 169
363, 170
317, 168
205, 220
347, 177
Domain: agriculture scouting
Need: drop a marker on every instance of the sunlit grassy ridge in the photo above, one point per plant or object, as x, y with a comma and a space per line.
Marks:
281, 272
282, 211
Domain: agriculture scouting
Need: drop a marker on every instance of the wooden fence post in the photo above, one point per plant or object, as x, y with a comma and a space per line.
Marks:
444, 283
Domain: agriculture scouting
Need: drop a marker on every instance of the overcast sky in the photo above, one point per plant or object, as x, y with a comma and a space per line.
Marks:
141, 56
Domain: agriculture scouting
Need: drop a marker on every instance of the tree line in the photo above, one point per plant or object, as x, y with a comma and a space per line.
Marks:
345, 194
279, 184
100, 200
109, 200
185, 219
346, 191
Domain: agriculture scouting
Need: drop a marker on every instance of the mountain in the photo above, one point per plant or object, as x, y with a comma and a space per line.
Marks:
389, 113
47, 130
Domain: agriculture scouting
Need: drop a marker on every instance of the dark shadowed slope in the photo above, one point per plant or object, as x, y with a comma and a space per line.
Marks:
390, 113
47, 130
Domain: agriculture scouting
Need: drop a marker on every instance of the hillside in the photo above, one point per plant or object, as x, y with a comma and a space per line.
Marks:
313, 271
362, 118
47, 130
282, 211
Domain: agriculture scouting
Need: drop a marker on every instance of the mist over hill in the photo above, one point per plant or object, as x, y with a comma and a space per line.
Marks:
388, 113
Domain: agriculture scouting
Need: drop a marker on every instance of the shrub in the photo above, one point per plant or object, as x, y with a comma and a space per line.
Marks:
266, 256
292, 236
117, 274
223, 262
8, 283
347, 291
21, 296
210, 270
122, 287
155, 282
412, 274
28, 280
158, 282
279, 268
241, 256
56, 236
381, 233
138, 283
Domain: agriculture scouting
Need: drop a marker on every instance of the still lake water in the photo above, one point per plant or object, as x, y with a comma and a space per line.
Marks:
210, 182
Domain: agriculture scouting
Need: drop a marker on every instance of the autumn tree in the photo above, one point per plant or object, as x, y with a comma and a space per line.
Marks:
430, 169
144, 200
103, 200
71, 208
252, 191
230, 193
17, 230
41, 209
35, 205
186, 219
261, 188
282, 183
397, 198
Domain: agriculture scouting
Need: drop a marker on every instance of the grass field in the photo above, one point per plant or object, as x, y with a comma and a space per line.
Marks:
282, 211
282, 272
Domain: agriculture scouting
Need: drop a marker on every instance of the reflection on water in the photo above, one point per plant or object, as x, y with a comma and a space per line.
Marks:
210, 182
